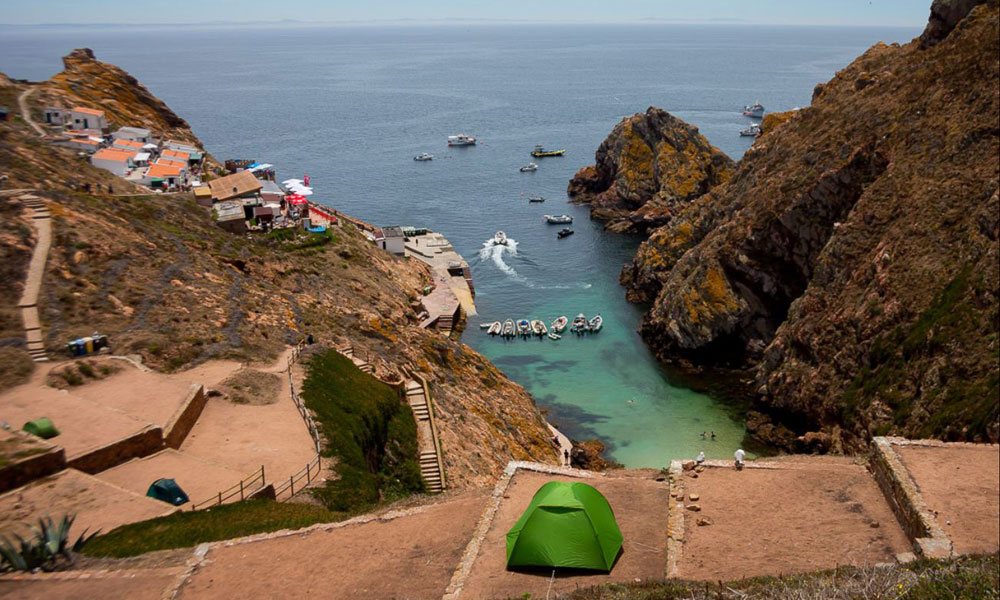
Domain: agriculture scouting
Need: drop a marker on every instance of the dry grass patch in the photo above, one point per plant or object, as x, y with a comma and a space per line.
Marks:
249, 386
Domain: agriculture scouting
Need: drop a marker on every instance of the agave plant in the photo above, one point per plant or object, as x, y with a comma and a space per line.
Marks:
42, 550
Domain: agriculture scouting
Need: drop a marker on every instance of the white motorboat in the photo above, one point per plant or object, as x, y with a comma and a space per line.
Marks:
529, 167
461, 140
423, 157
755, 110
559, 325
495, 328
538, 327
596, 323
524, 327
579, 323
558, 219
554, 336
752, 131
536, 199
508, 328
499, 239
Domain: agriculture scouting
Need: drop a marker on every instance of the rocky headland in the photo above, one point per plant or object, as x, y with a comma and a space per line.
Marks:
650, 166
848, 263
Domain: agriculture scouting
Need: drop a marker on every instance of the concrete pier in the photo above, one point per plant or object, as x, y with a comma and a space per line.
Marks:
452, 275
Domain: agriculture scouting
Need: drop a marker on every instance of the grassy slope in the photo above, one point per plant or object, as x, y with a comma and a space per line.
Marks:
367, 428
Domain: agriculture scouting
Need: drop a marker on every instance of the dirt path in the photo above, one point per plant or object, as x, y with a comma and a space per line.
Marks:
410, 556
22, 102
33, 280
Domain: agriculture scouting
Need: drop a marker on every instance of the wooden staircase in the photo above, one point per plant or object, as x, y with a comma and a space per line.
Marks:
29, 301
446, 323
363, 365
430, 461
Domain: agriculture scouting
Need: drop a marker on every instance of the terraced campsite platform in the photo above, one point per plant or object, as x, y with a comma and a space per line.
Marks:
960, 486
197, 477
780, 516
640, 506
97, 504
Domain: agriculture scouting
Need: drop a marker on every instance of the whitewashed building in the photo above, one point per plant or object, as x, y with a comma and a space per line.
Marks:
135, 134
88, 118
114, 160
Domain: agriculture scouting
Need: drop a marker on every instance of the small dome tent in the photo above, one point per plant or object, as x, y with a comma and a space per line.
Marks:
168, 491
566, 525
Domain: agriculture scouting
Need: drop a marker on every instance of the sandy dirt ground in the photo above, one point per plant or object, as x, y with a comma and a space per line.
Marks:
640, 507
97, 504
199, 478
148, 397
134, 585
802, 516
408, 557
961, 484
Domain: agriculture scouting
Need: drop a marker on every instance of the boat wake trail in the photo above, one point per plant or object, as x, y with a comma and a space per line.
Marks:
495, 253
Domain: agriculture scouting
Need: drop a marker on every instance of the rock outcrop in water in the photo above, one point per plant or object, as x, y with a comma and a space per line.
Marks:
851, 261
647, 169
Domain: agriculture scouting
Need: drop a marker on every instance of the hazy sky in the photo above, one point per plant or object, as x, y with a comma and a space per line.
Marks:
816, 12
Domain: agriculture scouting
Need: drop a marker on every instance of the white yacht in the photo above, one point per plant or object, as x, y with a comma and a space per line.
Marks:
461, 140
423, 156
558, 219
755, 110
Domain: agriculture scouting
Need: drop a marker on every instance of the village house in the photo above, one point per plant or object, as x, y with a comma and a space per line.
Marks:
127, 145
88, 118
85, 143
237, 185
230, 216
271, 191
114, 160
135, 134
176, 156
390, 239
141, 159
57, 115
180, 147
163, 176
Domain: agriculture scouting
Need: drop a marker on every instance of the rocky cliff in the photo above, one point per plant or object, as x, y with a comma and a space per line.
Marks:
164, 283
850, 262
646, 170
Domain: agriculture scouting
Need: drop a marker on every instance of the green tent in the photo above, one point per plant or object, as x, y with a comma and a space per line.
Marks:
42, 427
566, 525
168, 491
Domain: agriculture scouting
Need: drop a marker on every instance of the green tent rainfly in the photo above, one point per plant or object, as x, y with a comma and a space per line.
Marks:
42, 427
168, 491
566, 525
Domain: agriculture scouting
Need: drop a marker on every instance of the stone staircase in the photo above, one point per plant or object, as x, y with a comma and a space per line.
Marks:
430, 461
363, 365
33, 282
445, 323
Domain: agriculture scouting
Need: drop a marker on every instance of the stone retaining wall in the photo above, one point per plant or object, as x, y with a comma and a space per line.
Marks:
904, 498
183, 420
25, 470
143, 443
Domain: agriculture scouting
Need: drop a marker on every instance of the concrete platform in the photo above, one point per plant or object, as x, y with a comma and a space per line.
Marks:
781, 516
97, 504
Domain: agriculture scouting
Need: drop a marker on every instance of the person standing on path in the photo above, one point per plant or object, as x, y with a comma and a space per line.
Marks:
739, 455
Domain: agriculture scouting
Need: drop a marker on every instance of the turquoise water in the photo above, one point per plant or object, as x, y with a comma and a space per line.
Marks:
352, 106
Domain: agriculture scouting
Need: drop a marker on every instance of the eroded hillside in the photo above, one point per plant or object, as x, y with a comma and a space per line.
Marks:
851, 261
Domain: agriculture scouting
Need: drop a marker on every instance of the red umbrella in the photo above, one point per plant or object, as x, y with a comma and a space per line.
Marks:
296, 199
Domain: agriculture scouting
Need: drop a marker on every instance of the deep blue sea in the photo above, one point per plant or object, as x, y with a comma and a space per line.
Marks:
352, 106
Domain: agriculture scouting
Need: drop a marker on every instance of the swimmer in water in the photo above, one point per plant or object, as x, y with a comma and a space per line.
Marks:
703, 435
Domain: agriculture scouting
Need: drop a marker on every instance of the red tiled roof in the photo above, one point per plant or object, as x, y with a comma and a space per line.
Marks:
89, 111
163, 171
114, 154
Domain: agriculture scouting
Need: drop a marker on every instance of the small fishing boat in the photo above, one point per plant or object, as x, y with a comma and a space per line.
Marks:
528, 168
538, 327
540, 152
485, 325
495, 328
508, 330
752, 131
524, 327
536, 199
579, 323
499, 239
423, 157
558, 219
461, 140
554, 336
564, 232
755, 110
559, 325
596, 323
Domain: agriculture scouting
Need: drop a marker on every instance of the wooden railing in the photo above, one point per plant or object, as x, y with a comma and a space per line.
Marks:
246, 488
308, 473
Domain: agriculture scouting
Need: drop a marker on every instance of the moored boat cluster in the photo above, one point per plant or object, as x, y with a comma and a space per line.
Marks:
525, 328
